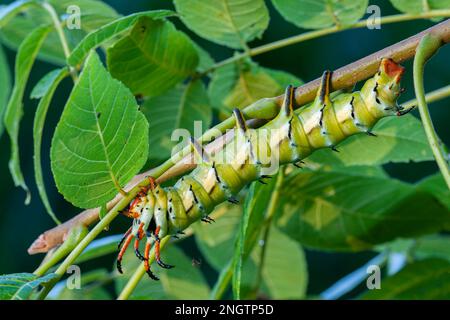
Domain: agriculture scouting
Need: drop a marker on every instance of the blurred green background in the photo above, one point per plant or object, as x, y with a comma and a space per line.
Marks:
20, 224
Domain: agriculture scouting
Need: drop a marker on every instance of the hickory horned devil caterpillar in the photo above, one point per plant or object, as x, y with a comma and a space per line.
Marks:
158, 211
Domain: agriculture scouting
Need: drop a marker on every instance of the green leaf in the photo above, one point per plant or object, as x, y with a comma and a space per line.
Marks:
19, 286
178, 108
101, 140
205, 61
435, 246
285, 271
14, 110
435, 184
10, 11
109, 31
419, 6
45, 90
228, 22
240, 85
153, 58
350, 211
5, 88
90, 287
321, 13
422, 280
10, 283
399, 139
256, 203
26, 289
93, 14
185, 281
216, 241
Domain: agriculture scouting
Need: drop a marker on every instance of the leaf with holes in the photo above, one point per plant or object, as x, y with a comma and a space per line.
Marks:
351, 211
101, 140
229, 22
319, 14
153, 58
178, 108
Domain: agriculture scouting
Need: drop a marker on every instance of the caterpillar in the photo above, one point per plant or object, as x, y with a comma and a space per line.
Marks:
289, 137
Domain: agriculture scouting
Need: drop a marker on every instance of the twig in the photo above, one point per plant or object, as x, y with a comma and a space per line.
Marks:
265, 109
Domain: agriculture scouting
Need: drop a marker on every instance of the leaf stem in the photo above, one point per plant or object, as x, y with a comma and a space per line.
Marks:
318, 33
428, 46
273, 204
62, 37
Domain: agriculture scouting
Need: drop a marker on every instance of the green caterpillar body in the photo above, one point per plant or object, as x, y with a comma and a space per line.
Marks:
288, 138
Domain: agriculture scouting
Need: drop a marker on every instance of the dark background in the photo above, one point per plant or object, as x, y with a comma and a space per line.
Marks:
20, 224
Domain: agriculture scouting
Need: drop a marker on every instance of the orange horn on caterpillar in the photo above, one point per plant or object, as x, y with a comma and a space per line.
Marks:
392, 69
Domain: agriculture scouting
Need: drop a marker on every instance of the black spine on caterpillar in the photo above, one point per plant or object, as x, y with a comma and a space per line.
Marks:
253, 154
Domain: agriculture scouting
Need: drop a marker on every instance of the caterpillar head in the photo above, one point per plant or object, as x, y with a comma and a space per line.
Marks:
388, 79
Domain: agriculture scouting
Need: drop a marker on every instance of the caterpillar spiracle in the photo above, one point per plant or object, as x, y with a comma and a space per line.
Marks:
291, 136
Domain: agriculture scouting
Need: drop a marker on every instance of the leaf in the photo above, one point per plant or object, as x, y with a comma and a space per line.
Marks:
285, 271
19, 286
227, 22
26, 289
351, 211
178, 108
45, 90
205, 61
5, 88
216, 241
399, 139
108, 31
435, 184
93, 14
321, 13
256, 203
182, 282
8, 12
90, 287
152, 58
238, 86
419, 6
422, 280
435, 246
24, 61
101, 140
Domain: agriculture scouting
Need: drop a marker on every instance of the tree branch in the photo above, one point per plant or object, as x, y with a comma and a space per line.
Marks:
266, 109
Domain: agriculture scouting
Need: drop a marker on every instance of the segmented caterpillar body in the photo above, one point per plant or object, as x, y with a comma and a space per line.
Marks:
288, 138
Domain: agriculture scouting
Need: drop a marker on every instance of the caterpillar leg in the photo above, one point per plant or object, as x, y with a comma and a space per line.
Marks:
136, 242
148, 247
126, 243
124, 237
157, 251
